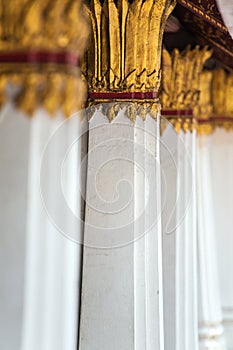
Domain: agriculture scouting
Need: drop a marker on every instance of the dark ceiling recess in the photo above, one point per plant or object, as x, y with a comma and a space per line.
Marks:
201, 23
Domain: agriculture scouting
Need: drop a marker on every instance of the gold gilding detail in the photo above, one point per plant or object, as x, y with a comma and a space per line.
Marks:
181, 77
181, 81
124, 51
49, 86
132, 108
205, 107
46, 26
216, 103
222, 92
184, 123
43, 25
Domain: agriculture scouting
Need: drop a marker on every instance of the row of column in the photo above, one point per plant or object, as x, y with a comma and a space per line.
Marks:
144, 275
146, 265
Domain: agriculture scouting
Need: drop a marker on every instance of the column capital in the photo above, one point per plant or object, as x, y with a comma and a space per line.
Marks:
41, 43
124, 54
180, 88
216, 103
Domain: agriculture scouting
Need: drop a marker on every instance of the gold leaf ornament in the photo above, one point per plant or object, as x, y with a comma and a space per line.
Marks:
48, 30
124, 51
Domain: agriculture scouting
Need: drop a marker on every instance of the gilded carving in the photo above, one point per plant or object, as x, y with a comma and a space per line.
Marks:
222, 89
184, 123
216, 103
42, 24
47, 29
132, 108
205, 107
125, 44
181, 79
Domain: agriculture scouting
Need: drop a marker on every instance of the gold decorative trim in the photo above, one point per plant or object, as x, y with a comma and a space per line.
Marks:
208, 127
184, 123
205, 108
124, 51
180, 87
43, 24
202, 14
132, 109
205, 128
216, 103
49, 86
181, 73
48, 29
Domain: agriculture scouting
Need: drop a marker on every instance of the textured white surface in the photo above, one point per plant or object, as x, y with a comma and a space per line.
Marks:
39, 267
222, 173
122, 292
210, 311
179, 240
52, 283
169, 193
14, 143
186, 245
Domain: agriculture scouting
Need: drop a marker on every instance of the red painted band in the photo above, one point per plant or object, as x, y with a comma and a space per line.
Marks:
68, 58
177, 112
150, 95
203, 121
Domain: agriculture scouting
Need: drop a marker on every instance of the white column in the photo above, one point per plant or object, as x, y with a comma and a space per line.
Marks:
190, 248
179, 240
122, 268
14, 144
222, 174
53, 257
169, 142
210, 313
